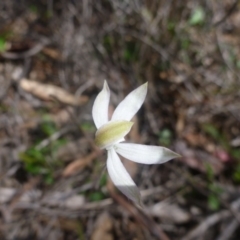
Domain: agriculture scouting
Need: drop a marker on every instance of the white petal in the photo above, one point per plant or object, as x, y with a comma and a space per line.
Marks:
131, 104
145, 154
100, 106
121, 177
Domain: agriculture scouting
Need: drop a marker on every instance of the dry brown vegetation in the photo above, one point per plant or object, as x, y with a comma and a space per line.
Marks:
54, 56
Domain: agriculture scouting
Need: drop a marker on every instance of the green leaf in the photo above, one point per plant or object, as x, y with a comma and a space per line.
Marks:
236, 174
211, 130
213, 202
96, 196
165, 137
197, 17
238, 64
33, 8
103, 180
48, 127
210, 172
89, 127
130, 53
2, 44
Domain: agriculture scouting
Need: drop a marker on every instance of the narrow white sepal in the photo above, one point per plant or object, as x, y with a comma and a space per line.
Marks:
145, 154
100, 106
130, 104
121, 177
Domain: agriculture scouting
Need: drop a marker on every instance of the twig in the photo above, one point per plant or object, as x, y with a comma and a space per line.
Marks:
210, 221
29, 53
229, 12
67, 213
229, 230
140, 216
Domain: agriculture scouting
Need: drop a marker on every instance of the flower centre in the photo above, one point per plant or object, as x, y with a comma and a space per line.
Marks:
112, 132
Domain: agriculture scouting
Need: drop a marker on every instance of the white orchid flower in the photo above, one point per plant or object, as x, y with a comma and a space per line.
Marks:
110, 136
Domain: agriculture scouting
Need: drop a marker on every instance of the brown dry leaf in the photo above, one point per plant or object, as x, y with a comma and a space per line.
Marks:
180, 124
59, 199
104, 225
135, 229
53, 53
32, 119
62, 222
198, 140
79, 164
48, 92
63, 116
169, 212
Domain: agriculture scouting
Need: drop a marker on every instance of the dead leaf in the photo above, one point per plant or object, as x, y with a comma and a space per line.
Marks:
53, 53
63, 116
180, 122
53, 199
135, 229
59, 199
62, 222
169, 212
50, 92
198, 140
104, 225
79, 164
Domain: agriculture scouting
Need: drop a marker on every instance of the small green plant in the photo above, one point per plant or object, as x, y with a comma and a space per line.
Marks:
185, 43
130, 53
48, 128
165, 137
43, 161
215, 191
103, 180
236, 173
171, 27
88, 127
219, 137
4, 38
2, 44
108, 42
33, 8
96, 196
238, 64
213, 202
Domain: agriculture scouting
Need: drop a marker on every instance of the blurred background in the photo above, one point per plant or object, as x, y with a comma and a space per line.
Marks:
54, 57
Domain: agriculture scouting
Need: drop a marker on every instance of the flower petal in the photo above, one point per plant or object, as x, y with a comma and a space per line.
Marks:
145, 154
100, 106
121, 177
131, 104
